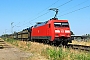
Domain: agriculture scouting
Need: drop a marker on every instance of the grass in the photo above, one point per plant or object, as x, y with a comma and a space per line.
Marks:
60, 54
21, 44
56, 54
50, 52
12, 41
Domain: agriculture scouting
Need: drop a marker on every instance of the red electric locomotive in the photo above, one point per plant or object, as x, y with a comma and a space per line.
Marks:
53, 31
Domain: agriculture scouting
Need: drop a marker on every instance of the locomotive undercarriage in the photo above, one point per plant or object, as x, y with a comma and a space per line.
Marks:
62, 41
56, 41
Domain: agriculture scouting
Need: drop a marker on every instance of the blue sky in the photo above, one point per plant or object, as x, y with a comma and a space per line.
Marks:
25, 13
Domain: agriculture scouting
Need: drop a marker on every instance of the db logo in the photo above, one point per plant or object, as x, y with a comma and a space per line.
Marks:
62, 31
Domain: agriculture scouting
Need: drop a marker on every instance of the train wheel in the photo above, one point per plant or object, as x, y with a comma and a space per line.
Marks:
59, 43
47, 41
64, 43
52, 43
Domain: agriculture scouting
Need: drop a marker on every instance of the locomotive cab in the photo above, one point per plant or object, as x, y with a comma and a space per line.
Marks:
60, 31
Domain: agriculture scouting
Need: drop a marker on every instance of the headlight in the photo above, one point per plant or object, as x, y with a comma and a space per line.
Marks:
67, 31
57, 31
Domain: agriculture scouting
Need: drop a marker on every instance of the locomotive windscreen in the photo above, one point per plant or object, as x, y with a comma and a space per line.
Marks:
61, 24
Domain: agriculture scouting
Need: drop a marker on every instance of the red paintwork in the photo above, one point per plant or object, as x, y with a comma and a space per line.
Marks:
46, 31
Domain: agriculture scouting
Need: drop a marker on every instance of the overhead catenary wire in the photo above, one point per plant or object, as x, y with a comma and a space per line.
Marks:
39, 13
36, 18
57, 7
64, 3
48, 11
42, 11
75, 10
75, 6
47, 7
68, 12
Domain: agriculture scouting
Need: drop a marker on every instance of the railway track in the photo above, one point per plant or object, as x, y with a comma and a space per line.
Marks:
79, 47
3, 44
73, 46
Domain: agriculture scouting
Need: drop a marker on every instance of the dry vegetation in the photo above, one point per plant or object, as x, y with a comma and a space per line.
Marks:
81, 42
46, 52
